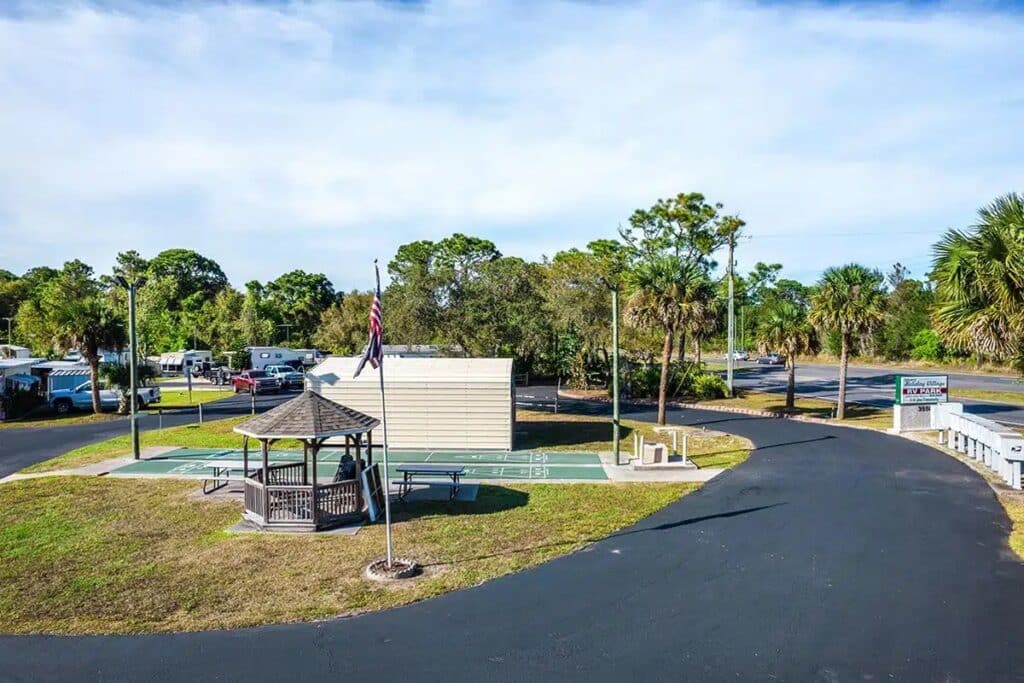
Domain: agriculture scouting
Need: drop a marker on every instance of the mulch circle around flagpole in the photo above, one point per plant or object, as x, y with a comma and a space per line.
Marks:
401, 568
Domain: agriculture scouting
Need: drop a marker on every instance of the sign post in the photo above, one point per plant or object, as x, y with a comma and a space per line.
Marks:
914, 398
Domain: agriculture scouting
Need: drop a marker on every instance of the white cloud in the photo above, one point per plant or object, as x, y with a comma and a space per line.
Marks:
341, 130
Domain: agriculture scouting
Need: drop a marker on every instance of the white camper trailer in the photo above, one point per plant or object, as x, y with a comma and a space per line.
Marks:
262, 356
432, 403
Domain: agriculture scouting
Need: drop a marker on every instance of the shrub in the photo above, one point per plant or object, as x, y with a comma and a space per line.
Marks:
708, 386
927, 346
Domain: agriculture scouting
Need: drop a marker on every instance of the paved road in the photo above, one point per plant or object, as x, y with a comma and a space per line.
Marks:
876, 386
26, 446
830, 555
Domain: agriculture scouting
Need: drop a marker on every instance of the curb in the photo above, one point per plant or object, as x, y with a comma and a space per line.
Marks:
727, 409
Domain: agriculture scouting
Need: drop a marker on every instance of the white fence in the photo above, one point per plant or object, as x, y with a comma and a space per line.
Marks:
998, 446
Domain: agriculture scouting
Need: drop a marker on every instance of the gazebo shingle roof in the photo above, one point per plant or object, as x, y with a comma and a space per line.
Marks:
307, 416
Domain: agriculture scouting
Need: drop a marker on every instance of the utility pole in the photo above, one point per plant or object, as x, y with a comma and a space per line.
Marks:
615, 373
10, 340
731, 322
133, 342
729, 228
288, 330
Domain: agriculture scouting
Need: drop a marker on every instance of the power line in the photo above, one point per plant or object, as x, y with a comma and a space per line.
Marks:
820, 235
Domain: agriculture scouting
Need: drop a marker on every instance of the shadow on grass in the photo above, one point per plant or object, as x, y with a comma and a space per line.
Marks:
667, 526
532, 435
489, 500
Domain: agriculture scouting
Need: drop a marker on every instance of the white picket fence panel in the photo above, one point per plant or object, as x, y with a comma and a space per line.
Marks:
997, 446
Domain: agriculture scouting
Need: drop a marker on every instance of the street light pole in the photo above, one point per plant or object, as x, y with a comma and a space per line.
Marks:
133, 370
615, 373
731, 324
9, 319
133, 344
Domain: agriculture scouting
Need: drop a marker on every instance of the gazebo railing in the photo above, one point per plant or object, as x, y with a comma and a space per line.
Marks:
337, 499
292, 504
284, 475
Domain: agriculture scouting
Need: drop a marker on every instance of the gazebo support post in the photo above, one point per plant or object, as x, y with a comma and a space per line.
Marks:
305, 463
245, 457
265, 451
315, 505
359, 479
369, 448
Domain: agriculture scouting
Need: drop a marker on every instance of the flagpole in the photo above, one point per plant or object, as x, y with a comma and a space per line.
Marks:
384, 424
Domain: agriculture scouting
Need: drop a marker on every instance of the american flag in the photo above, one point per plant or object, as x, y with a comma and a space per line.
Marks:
374, 352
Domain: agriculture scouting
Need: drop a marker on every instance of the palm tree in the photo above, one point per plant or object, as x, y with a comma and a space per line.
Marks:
665, 290
979, 283
850, 301
787, 329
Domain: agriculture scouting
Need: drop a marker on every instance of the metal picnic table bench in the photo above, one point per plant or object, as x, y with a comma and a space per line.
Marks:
221, 475
431, 476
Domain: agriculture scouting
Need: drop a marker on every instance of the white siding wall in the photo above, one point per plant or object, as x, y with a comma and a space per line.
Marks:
434, 404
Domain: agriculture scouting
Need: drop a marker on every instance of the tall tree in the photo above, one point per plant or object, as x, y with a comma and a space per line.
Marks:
296, 300
849, 301
785, 328
191, 272
670, 247
578, 304
342, 328
979, 283
73, 312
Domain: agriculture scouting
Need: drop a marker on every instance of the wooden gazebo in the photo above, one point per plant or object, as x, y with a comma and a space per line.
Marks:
290, 496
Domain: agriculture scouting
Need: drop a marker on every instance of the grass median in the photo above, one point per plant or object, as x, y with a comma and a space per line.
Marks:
97, 555
180, 399
856, 414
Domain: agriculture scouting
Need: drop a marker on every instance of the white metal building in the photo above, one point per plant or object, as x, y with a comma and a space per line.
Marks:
432, 403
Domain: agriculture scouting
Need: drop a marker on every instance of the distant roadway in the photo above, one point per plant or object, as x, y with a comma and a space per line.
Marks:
24, 446
876, 386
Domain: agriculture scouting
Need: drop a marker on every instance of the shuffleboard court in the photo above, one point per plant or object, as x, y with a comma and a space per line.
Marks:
515, 465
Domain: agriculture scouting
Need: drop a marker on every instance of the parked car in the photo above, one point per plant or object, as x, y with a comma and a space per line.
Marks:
770, 359
255, 381
289, 377
738, 355
64, 400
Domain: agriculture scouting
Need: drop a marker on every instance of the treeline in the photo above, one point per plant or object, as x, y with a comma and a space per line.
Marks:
553, 316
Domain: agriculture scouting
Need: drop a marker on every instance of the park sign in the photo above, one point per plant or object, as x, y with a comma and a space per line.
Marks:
921, 390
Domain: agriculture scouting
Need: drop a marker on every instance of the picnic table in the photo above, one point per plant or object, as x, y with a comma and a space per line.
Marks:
221, 477
414, 474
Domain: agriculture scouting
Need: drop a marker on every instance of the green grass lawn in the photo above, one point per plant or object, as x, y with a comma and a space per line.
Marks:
566, 432
213, 434
534, 430
95, 555
1011, 397
46, 418
865, 416
179, 398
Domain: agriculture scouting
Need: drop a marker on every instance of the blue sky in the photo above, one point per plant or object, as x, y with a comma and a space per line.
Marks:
274, 135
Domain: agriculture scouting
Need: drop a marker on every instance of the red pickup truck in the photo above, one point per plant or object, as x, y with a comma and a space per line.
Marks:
256, 382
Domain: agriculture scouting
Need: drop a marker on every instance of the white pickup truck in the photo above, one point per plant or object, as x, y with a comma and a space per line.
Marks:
63, 400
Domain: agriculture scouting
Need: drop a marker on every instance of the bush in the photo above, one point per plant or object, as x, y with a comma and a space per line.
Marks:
708, 386
641, 381
927, 346
17, 402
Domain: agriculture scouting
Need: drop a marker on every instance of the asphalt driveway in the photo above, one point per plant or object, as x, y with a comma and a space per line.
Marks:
24, 446
832, 554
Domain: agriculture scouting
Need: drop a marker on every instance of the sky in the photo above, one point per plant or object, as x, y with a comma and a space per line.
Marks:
321, 135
